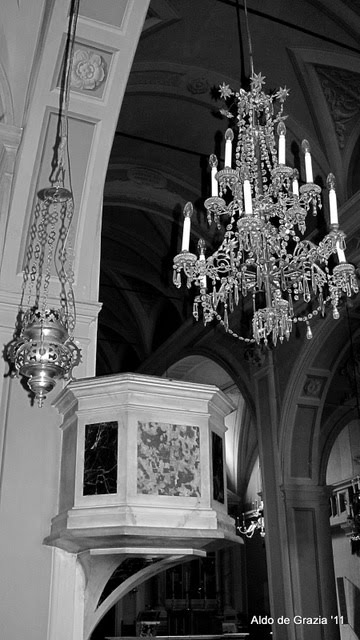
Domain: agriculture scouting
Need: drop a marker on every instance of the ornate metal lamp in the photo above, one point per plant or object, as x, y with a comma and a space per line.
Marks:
354, 517
257, 202
43, 348
257, 523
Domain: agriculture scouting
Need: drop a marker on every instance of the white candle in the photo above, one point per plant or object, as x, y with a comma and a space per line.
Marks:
295, 183
247, 197
188, 211
229, 136
281, 129
201, 247
214, 183
330, 181
340, 253
308, 163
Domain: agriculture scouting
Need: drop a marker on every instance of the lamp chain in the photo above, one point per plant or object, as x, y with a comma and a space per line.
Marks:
251, 57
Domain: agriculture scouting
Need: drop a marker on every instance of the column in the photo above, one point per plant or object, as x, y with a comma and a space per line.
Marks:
275, 539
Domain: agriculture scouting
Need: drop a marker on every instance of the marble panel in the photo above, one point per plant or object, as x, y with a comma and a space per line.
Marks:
168, 459
100, 458
218, 468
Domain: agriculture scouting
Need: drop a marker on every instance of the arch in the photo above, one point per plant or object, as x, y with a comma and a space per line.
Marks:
93, 617
309, 424
326, 112
6, 101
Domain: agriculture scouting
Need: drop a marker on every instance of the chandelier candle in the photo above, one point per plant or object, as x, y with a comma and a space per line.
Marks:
330, 182
229, 136
188, 211
260, 205
214, 183
295, 183
340, 253
247, 197
281, 130
308, 162
201, 248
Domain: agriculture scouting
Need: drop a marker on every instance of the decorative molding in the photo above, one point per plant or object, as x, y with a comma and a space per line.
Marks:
161, 14
157, 77
149, 177
198, 85
313, 386
111, 14
255, 355
88, 71
190, 83
341, 89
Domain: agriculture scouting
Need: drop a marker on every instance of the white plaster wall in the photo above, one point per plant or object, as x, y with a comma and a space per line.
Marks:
29, 484
19, 31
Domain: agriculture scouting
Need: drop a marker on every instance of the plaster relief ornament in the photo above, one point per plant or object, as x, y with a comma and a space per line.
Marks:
88, 70
198, 85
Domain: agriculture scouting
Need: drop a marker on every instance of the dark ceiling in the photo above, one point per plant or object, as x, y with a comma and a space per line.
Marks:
169, 124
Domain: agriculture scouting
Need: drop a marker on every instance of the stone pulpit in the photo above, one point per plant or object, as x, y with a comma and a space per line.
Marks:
143, 465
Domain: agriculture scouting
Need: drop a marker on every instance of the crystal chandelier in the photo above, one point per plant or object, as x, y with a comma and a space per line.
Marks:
257, 202
257, 522
43, 349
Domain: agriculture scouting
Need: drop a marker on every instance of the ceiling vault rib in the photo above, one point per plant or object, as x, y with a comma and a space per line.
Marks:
290, 25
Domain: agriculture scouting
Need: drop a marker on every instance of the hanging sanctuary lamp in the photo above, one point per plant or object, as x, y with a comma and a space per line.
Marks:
43, 349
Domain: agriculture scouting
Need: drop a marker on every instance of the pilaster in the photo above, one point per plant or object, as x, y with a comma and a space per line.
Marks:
311, 561
298, 540
276, 539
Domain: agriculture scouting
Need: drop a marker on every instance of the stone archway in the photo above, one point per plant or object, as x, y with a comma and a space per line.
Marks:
294, 439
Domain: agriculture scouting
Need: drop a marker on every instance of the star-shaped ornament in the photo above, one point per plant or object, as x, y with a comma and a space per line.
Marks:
225, 112
282, 94
257, 81
225, 91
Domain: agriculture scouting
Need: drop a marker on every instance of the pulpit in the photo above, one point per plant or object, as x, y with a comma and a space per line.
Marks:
142, 465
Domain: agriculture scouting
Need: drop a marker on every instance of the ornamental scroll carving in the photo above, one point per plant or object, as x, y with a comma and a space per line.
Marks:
351, 371
88, 70
255, 355
342, 92
198, 85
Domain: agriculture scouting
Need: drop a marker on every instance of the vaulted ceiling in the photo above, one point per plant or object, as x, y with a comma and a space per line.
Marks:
169, 124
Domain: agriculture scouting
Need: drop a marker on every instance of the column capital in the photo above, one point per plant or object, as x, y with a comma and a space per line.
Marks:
305, 494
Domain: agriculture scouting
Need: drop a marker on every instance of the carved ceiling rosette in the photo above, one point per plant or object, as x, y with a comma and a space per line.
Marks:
88, 70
